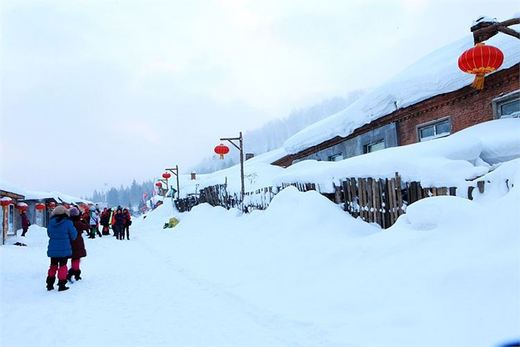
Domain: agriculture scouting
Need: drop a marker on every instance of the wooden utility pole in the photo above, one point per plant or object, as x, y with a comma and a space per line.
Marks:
485, 30
240, 147
175, 171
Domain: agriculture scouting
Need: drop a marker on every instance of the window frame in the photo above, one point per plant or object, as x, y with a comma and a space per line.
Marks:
336, 155
418, 128
373, 143
504, 99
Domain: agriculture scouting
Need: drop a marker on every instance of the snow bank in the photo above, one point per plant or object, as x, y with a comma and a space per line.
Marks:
448, 263
435, 74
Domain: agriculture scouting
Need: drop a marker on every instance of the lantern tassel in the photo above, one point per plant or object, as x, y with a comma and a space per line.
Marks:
478, 83
221, 156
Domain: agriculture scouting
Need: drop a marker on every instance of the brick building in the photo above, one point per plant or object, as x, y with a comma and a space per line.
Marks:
436, 103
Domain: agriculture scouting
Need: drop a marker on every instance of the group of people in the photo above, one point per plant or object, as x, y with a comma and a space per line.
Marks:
119, 219
65, 230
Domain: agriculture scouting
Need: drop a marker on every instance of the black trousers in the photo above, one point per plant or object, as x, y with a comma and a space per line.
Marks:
59, 261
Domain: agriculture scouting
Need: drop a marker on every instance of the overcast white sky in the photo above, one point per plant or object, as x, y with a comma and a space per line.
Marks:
97, 92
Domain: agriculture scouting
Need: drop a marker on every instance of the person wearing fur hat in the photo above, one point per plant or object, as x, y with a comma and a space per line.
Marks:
78, 245
61, 232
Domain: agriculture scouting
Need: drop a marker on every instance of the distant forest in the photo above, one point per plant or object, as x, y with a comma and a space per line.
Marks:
131, 196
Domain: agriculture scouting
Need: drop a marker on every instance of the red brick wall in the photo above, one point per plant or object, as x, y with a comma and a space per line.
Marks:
465, 107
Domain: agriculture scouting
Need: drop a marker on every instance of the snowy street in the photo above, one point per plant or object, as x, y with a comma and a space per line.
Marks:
127, 285
277, 278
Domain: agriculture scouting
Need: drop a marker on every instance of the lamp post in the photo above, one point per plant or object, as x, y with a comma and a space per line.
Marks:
175, 171
240, 147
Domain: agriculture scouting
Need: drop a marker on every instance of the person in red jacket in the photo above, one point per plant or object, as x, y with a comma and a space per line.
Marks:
78, 245
128, 222
25, 222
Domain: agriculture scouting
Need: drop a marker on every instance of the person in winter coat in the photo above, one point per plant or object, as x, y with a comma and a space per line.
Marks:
105, 221
128, 222
94, 220
113, 221
78, 245
25, 222
120, 223
61, 232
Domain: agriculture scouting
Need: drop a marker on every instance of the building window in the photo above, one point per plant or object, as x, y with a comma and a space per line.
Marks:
507, 106
374, 146
434, 130
336, 157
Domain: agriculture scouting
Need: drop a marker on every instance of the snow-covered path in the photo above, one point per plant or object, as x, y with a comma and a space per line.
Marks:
445, 275
132, 294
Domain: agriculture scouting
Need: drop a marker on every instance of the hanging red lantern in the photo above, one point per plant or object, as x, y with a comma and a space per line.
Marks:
481, 60
222, 150
158, 184
51, 205
22, 206
166, 175
6, 201
39, 206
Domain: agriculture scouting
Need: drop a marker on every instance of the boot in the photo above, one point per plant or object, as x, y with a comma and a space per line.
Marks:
50, 282
77, 275
69, 275
62, 285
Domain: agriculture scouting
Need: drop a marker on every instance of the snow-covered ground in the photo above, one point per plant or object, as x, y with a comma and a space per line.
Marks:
446, 274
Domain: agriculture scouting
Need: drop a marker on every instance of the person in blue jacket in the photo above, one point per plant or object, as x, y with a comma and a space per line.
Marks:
60, 231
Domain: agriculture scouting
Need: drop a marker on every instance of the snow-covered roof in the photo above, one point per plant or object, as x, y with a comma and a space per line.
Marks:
9, 187
37, 195
451, 161
59, 197
434, 74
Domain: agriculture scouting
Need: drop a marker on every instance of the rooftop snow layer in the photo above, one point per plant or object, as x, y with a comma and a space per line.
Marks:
445, 162
435, 74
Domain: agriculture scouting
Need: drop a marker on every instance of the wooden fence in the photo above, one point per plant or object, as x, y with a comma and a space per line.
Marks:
217, 195
379, 201
382, 201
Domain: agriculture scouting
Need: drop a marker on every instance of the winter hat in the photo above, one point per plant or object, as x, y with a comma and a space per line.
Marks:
73, 212
58, 210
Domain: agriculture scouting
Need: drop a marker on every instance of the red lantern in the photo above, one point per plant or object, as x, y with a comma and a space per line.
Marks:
481, 60
39, 206
158, 184
6, 201
22, 206
166, 175
51, 205
222, 150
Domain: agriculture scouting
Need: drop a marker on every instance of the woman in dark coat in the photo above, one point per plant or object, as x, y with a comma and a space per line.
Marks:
120, 223
78, 245
60, 231
25, 222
